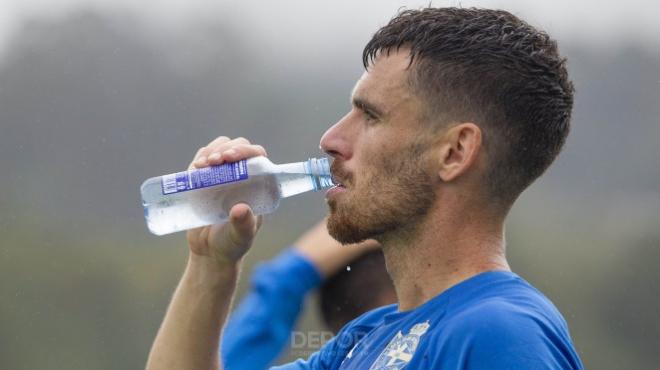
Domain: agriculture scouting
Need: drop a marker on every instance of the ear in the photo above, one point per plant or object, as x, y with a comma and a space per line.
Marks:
459, 149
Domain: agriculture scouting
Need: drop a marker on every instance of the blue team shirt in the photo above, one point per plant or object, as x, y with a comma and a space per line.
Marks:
494, 320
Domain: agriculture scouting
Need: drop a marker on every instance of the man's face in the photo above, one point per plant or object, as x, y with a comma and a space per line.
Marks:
380, 151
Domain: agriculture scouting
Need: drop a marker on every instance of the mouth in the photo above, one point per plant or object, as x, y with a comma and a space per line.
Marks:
337, 181
335, 190
341, 178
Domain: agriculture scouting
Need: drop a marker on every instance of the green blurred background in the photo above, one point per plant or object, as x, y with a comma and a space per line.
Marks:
96, 96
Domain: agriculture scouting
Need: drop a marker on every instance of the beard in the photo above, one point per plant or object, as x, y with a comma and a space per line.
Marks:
391, 196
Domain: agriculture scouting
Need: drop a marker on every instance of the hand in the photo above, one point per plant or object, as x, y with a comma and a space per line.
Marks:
327, 254
227, 243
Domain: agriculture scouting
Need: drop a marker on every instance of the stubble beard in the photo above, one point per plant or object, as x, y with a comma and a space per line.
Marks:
392, 197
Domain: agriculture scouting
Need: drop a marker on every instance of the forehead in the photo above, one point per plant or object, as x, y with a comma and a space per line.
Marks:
386, 78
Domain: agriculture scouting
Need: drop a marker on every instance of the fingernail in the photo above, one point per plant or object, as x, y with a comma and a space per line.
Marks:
201, 160
229, 152
214, 156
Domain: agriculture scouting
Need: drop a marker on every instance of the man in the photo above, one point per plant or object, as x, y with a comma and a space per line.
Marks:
352, 281
459, 110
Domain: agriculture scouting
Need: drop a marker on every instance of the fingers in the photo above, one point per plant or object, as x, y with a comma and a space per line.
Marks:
222, 150
200, 153
219, 141
235, 153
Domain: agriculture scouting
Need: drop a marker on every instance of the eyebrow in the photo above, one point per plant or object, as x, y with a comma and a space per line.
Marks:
365, 105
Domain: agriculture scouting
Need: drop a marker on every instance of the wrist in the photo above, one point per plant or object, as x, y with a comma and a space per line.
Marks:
211, 271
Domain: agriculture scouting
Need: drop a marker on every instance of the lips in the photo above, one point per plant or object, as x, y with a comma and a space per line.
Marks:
337, 189
334, 191
340, 178
337, 181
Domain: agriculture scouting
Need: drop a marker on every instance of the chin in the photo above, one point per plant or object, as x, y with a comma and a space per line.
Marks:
347, 236
346, 229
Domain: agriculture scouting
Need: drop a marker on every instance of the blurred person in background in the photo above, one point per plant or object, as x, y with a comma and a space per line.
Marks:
351, 292
352, 280
457, 113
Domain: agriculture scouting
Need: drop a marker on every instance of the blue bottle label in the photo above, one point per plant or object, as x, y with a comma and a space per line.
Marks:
205, 177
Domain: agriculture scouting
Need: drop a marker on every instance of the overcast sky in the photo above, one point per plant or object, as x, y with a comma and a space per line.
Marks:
603, 23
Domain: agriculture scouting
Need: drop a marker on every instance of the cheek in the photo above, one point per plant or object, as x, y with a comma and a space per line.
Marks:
377, 171
384, 150
373, 141
363, 151
379, 152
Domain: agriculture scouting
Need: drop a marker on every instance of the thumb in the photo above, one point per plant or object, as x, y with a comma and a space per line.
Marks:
243, 225
237, 235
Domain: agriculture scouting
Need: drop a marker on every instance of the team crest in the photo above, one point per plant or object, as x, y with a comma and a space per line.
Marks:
401, 349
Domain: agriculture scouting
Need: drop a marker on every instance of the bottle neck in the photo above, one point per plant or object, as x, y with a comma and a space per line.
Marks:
319, 170
300, 177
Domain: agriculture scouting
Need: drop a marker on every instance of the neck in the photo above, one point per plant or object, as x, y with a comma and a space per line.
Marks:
441, 251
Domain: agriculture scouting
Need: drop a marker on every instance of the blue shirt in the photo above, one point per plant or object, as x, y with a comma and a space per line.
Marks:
260, 328
494, 320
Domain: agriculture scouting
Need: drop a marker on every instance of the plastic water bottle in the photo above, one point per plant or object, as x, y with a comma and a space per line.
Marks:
200, 197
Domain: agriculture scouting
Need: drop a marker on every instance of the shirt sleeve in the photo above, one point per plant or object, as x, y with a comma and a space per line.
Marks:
259, 328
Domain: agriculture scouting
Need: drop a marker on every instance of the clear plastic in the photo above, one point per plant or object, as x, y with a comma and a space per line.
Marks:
265, 185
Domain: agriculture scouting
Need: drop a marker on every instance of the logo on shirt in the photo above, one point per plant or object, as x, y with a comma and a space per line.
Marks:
401, 349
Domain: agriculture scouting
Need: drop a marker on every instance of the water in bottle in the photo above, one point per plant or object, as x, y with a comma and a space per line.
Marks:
200, 197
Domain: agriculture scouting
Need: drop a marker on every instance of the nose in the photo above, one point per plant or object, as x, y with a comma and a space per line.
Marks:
336, 140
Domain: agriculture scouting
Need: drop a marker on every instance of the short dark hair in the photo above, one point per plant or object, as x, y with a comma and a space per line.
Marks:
350, 293
493, 69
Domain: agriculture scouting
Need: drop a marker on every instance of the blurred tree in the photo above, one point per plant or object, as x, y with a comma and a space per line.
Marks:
629, 298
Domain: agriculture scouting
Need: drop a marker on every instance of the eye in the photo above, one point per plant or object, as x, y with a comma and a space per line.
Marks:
369, 116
